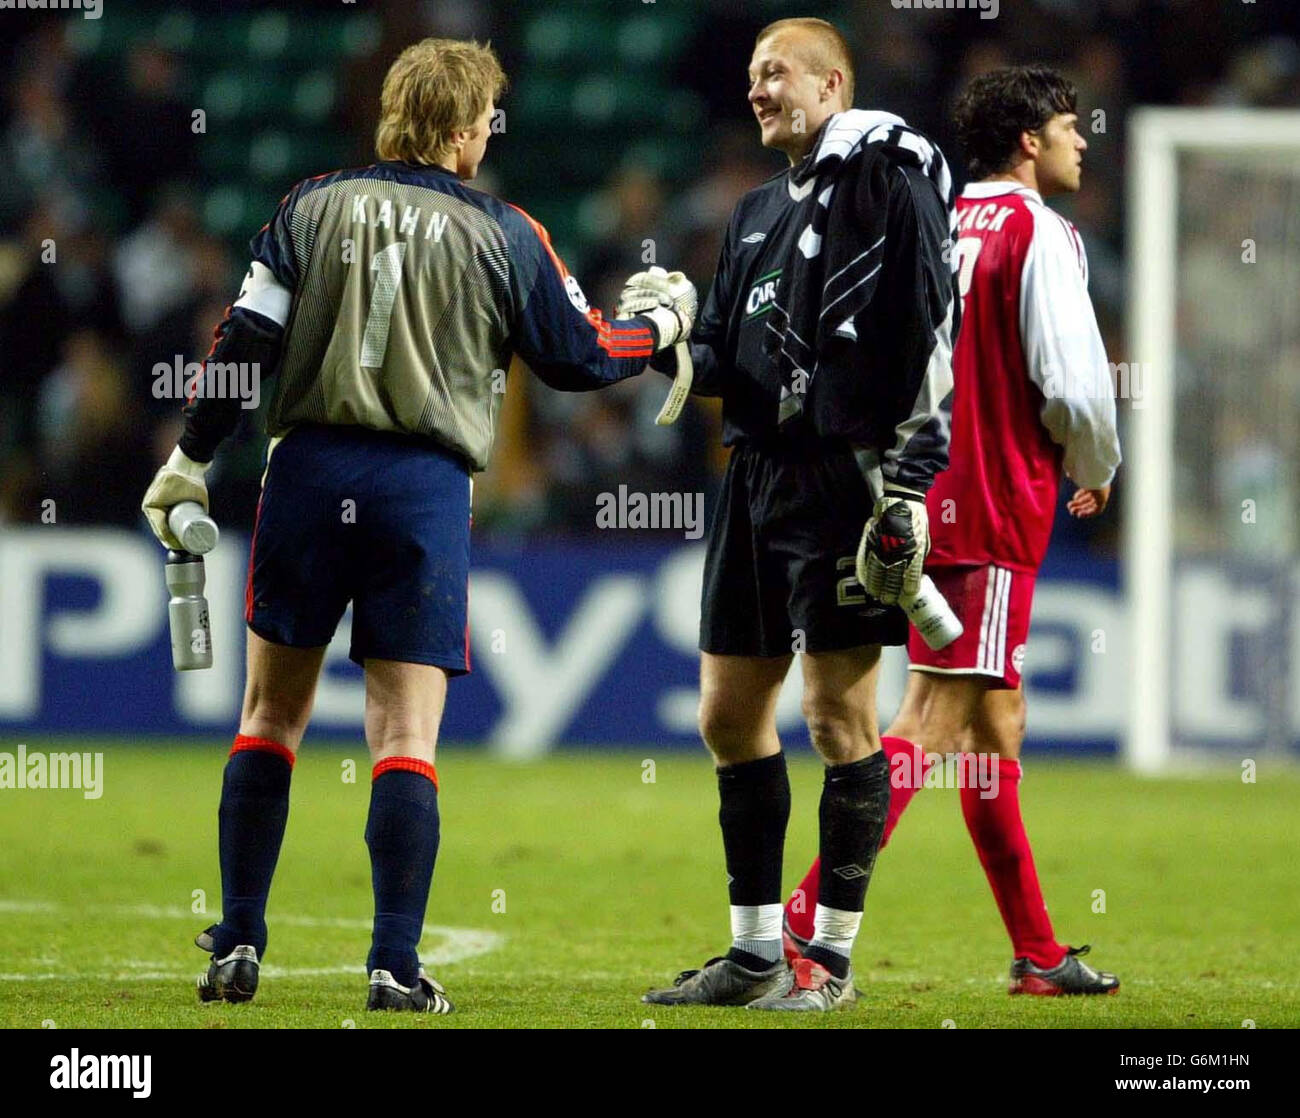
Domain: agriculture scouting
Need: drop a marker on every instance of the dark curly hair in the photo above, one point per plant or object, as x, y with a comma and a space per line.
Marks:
996, 107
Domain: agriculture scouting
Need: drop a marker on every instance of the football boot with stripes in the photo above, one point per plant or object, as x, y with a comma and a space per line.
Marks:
232, 978
426, 996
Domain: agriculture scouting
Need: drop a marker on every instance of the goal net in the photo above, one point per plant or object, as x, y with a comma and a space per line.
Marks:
1211, 477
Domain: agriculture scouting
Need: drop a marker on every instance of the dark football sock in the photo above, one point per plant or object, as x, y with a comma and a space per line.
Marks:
402, 833
251, 819
754, 810
854, 807
908, 766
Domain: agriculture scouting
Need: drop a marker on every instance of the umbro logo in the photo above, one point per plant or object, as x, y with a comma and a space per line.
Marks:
849, 872
753, 239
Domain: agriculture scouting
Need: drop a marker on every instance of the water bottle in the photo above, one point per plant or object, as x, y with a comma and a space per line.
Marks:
187, 612
931, 614
196, 530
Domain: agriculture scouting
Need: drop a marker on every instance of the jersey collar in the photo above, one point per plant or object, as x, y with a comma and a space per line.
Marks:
994, 189
402, 163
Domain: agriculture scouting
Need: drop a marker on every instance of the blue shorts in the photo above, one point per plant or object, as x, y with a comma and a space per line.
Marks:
376, 519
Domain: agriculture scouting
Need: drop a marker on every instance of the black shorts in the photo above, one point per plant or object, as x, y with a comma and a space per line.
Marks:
779, 571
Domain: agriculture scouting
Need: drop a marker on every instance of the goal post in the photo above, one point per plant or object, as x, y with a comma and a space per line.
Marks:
1177, 159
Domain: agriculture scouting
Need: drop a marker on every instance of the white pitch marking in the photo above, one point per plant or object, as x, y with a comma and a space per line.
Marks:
460, 943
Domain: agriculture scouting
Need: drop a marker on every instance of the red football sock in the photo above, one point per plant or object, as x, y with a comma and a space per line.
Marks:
999, 835
908, 765
802, 905
907, 768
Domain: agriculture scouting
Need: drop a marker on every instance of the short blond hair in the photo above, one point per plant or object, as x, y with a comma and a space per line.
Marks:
824, 50
434, 88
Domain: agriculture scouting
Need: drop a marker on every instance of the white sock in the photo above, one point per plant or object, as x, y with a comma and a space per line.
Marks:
757, 929
835, 930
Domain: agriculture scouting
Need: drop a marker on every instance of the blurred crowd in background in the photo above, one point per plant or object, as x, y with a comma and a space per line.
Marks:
123, 227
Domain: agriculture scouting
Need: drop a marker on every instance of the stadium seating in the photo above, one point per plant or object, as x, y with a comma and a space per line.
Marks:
586, 78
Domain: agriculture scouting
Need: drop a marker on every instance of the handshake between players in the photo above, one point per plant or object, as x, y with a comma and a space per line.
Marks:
835, 444
895, 541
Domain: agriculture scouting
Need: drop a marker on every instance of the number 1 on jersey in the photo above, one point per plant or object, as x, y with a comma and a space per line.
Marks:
387, 266
967, 249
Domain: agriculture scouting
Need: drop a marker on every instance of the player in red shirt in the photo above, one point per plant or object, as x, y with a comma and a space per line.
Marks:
1033, 399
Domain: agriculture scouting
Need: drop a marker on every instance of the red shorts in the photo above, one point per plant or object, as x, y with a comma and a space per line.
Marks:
993, 605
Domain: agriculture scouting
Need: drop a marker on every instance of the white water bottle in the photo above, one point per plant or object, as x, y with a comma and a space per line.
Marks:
931, 614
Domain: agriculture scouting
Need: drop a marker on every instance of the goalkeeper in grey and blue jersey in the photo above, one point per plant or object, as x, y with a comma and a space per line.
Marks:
389, 301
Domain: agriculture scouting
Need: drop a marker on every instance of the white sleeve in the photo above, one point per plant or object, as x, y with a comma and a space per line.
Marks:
263, 293
1064, 352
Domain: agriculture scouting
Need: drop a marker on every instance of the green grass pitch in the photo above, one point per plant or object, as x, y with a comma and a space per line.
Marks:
570, 885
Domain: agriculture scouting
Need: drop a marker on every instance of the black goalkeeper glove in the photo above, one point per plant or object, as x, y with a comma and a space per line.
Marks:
894, 545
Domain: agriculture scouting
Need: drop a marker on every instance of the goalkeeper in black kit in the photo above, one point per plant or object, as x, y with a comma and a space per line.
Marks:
828, 334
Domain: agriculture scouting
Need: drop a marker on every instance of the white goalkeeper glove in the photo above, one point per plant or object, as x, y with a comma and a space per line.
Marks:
669, 299
894, 545
180, 479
